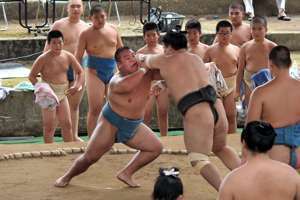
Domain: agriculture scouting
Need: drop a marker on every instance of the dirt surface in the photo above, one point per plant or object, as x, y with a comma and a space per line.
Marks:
33, 178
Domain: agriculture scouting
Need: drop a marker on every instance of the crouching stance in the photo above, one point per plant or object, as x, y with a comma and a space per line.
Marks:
120, 121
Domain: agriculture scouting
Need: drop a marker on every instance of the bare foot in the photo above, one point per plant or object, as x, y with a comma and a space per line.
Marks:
61, 182
77, 139
127, 180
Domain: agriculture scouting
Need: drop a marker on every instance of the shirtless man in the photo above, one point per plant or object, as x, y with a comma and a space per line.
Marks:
277, 102
226, 56
263, 178
193, 29
205, 124
120, 121
100, 41
241, 32
70, 28
253, 57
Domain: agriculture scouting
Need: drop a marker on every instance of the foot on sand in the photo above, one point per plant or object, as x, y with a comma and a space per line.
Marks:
61, 182
127, 180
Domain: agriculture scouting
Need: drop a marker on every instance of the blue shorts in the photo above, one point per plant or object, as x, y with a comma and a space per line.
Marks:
289, 136
127, 127
70, 72
105, 67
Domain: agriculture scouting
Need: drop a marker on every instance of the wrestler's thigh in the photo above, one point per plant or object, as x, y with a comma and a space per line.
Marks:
63, 112
103, 138
145, 139
221, 127
48, 117
150, 105
95, 88
230, 105
162, 101
198, 129
280, 153
247, 94
75, 100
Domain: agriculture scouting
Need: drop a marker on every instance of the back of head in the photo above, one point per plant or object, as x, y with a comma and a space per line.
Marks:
280, 56
176, 40
258, 136
96, 9
149, 26
260, 20
167, 186
193, 24
238, 6
119, 51
54, 34
223, 24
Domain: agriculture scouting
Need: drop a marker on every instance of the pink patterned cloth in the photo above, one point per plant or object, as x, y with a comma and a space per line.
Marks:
45, 97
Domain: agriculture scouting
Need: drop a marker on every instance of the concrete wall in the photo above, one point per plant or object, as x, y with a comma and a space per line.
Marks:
21, 116
12, 47
185, 7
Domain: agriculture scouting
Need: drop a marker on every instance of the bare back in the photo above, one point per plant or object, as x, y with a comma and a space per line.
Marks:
257, 54
179, 67
278, 103
268, 180
102, 42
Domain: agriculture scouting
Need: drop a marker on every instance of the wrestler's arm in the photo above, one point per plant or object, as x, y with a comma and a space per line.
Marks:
127, 83
119, 40
255, 105
225, 191
37, 67
240, 73
152, 61
205, 57
80, 46
78, 75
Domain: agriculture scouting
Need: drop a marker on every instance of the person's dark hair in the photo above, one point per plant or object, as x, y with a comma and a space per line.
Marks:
120, 50
167, 186
193, 24
259, 136
260, 20
236, 5
149, 26
222, 24
280, 56
54, 34
175, 39
96, 9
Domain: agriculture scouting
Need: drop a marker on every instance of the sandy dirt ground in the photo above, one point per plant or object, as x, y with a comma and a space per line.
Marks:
33, 178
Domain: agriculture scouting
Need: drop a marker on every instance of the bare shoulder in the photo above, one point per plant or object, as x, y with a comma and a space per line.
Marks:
143, 50
247, 26
270, 43
112, 26
58, 24
82, 23
236, 48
